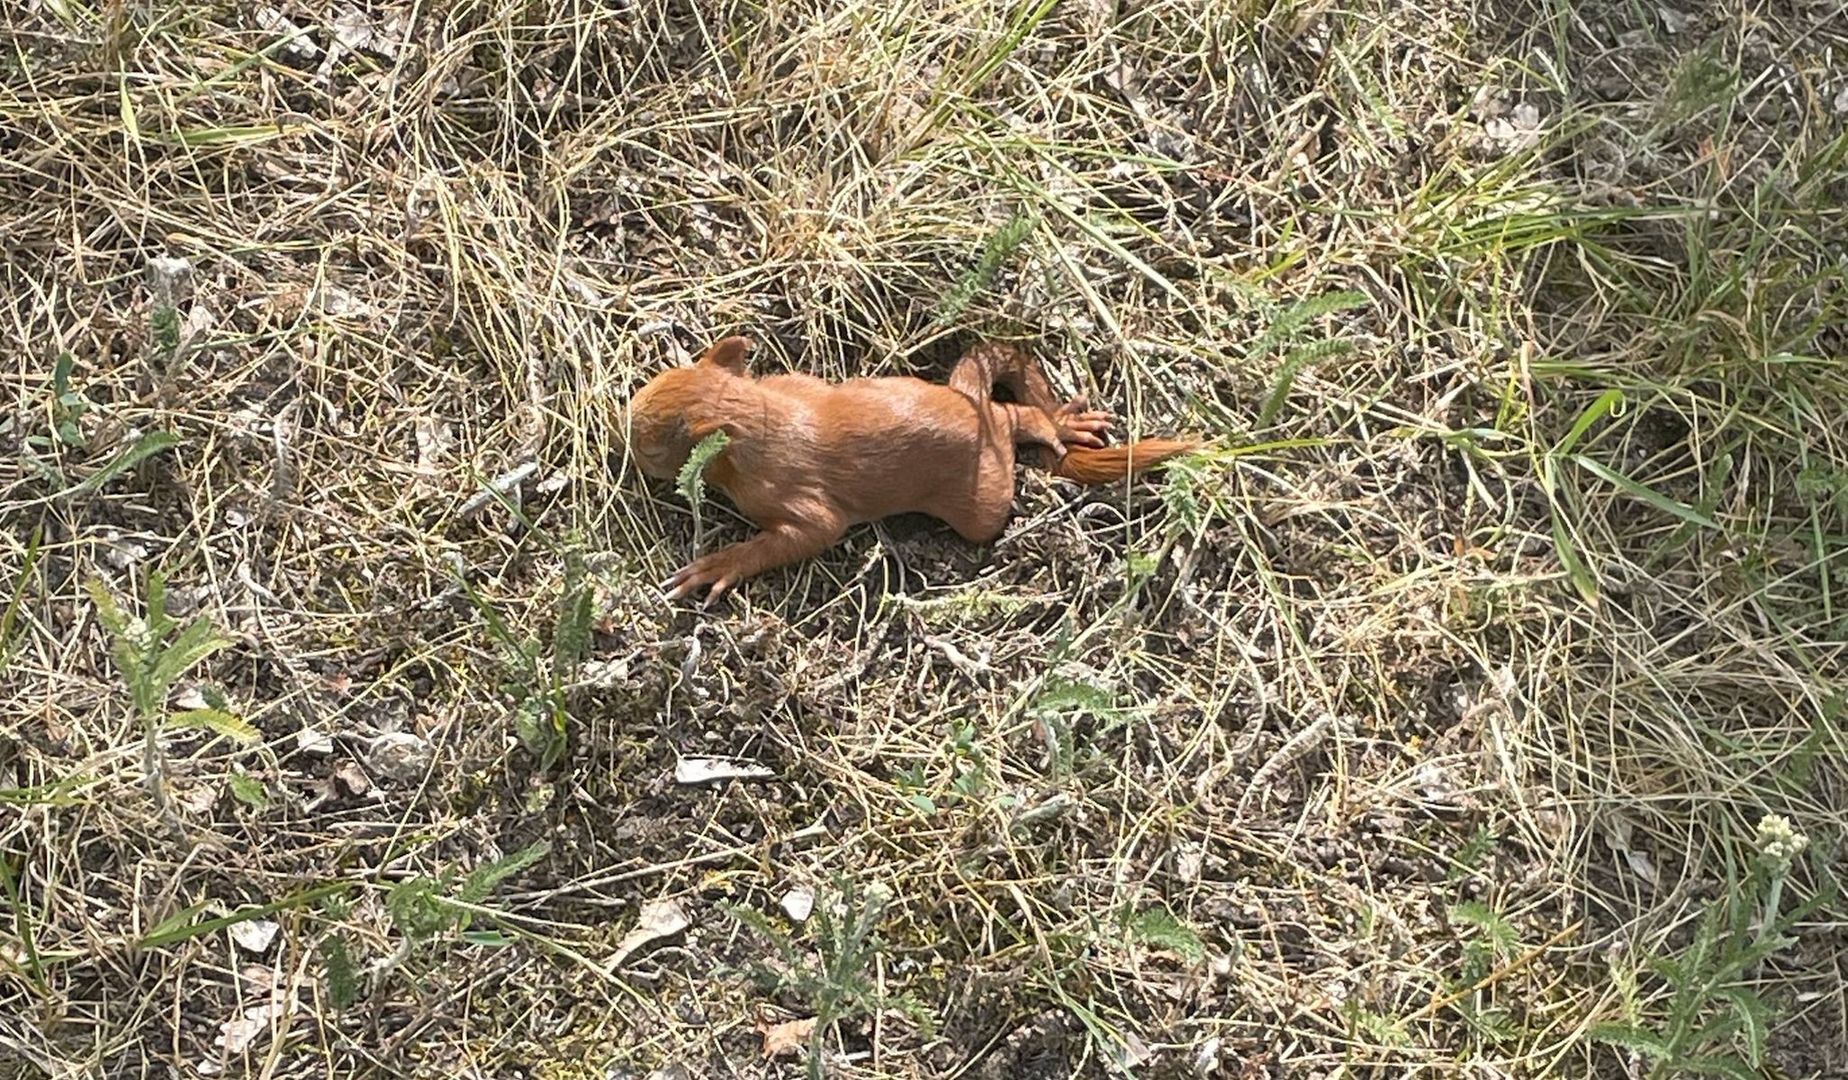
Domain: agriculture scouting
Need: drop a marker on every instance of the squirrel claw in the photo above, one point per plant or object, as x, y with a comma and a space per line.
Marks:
704, 572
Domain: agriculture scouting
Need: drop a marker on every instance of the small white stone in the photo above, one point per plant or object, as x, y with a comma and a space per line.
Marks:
798, 903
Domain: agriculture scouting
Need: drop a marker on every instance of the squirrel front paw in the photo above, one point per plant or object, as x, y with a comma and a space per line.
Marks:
713, 572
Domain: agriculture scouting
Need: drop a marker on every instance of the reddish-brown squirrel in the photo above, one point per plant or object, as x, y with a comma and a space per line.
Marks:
806, 459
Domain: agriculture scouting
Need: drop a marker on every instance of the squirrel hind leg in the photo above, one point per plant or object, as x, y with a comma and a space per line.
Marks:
991, 364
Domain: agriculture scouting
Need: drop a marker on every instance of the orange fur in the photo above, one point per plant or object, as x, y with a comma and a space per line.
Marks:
806, 459
1117, 463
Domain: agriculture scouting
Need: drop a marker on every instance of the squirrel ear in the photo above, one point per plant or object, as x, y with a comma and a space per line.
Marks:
729, 353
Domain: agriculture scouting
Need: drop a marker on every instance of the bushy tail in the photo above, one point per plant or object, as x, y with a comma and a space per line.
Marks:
1114, 464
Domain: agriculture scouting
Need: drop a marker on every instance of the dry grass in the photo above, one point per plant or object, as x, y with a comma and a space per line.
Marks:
1403, 736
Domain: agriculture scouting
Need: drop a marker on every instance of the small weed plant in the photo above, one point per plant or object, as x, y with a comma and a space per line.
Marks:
152, 654
539, 679
1714, 1022
832, 973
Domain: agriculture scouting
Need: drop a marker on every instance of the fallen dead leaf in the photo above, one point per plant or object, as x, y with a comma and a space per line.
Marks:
435, 439
353, 778
236, 1034
198, 799
254, 935
786, 1037
658, 919
353, 29
1617, 833
605, 674
198, 320
297, 40
1206, 1058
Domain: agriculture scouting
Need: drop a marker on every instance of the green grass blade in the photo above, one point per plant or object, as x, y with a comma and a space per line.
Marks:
1611, 399
146, 447
182, 928
11, 614
22, 924
1576, 571
1649, 495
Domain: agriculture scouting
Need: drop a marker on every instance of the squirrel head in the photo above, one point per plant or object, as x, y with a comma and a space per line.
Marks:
668, 416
